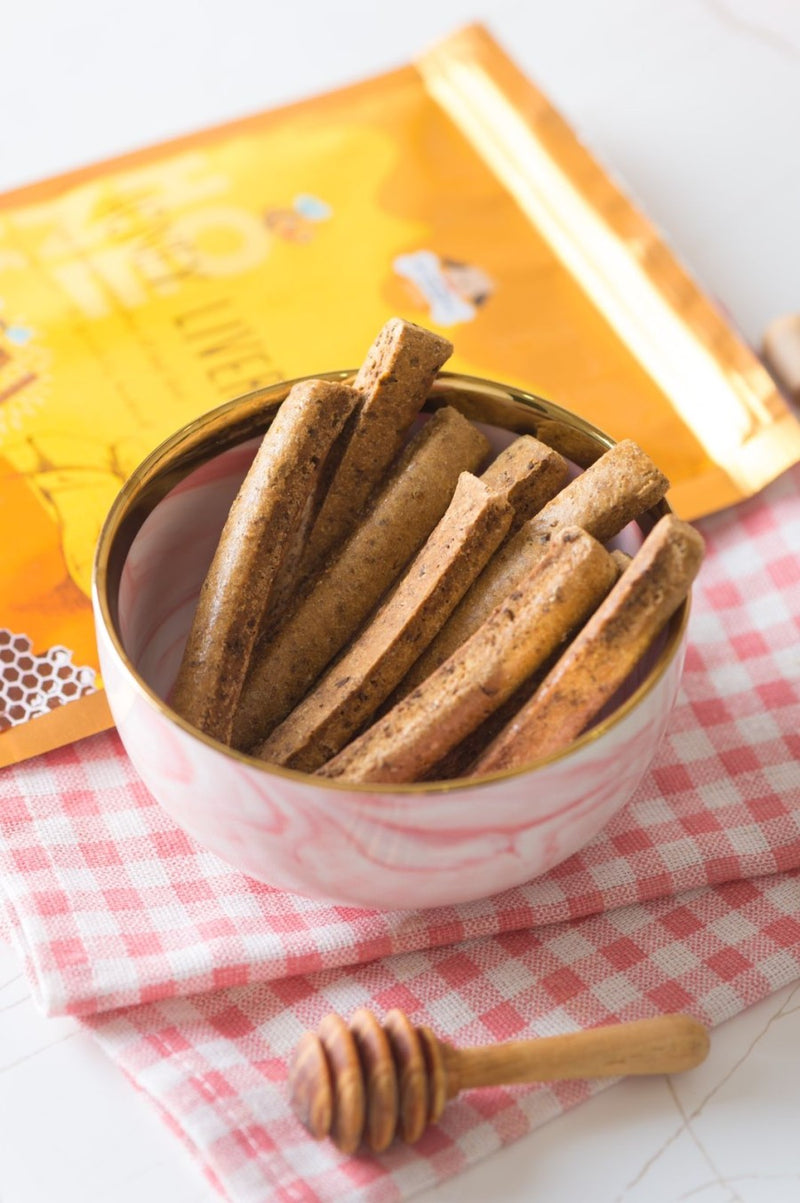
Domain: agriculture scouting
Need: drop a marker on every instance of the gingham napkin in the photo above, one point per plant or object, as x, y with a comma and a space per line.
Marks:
111, 906
215, 1065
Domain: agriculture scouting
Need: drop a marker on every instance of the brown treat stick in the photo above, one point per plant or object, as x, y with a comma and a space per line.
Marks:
290, 577
408, 506
459, 760
525, 472
393, 383
595, 665
518, 636
354, 686
781, 353
529, 473
617, 488
251, 552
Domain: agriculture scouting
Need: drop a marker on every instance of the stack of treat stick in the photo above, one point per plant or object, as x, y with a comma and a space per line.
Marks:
392, 607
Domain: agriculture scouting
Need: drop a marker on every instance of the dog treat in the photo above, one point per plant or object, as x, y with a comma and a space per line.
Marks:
595, 665
248, 560
459, 760
411, 502
292, 570
562, 589
782, 353
354, 581
354, 686
617, 488
530, 472
393, 383
289, 577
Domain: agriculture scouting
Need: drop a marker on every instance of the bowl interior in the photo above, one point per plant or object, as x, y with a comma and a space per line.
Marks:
168, 561
167, 529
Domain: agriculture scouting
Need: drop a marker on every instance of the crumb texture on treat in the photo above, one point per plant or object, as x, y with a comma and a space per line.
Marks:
616, 489
356, 684
516, 638
342, 596
252, 549
530, 473
596, 664
393, 384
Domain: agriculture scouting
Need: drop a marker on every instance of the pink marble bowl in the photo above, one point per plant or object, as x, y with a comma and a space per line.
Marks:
385, 846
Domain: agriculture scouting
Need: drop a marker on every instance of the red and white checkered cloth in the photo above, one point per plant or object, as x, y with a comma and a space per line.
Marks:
216, 1064
111, 907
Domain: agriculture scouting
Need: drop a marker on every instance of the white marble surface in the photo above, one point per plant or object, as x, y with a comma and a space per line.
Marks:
695, 103
724, 1133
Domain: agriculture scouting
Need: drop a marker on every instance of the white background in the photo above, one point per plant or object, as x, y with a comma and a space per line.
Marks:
696, 105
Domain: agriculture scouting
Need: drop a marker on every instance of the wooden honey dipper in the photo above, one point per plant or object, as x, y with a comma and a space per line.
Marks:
369, 1081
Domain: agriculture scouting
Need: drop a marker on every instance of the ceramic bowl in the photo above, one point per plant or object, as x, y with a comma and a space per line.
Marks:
381, 846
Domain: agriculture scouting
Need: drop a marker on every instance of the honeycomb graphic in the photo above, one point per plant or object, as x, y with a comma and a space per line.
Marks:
30, 685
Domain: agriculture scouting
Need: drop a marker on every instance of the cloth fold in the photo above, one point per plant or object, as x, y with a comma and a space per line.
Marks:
198, 981
215, 1065
111, 905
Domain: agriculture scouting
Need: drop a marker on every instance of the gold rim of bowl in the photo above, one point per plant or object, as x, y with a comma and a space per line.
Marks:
486, 401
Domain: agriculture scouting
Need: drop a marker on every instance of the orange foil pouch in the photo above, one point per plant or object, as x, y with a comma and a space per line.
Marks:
136, 294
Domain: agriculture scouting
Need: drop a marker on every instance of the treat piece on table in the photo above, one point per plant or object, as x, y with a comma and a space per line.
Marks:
781, 353
369, 1082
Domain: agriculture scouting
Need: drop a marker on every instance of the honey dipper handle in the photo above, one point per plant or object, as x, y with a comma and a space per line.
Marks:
665, 1044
